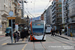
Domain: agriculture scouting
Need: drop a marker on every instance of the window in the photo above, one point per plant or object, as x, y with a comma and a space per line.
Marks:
59, 10
59, 5
60, 0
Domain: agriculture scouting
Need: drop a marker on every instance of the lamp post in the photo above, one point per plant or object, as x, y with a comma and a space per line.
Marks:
27, 20
23, 8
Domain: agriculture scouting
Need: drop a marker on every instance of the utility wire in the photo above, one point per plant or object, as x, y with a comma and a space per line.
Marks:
47, 5
29, 12
34, 6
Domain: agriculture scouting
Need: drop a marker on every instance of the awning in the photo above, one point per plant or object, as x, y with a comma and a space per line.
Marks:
4, 15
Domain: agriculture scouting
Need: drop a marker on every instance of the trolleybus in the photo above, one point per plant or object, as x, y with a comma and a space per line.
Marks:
37, 30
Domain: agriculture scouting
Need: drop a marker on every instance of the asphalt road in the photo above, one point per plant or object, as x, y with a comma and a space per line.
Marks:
51, 43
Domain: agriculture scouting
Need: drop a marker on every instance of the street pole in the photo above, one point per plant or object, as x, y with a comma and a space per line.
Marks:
63, 15
67, 16
11, 31
22, 8
11, 26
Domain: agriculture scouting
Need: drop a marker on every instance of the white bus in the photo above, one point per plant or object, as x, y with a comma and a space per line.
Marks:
48, 29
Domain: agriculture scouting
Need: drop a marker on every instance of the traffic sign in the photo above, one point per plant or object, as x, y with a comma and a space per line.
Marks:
11, 13
11, 17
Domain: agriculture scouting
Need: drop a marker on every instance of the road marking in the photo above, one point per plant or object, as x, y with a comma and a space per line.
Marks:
63, 44
24, 46
4, 43
24, 40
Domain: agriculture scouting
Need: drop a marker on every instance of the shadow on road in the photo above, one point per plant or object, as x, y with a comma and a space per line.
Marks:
15, 43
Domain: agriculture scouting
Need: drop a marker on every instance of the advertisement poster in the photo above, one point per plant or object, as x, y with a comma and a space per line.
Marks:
16, 27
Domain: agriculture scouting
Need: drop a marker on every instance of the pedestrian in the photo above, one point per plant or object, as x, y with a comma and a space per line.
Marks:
60, 31
65, 31
52, 32
22, 34
26, 32
16, 36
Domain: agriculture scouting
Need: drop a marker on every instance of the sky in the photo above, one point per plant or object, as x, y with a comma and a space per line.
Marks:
35, 8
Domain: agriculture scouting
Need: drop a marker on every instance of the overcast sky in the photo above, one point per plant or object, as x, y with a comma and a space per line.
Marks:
36, 7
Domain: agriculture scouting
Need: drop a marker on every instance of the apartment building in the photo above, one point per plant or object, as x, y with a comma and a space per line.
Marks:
53, 12
49, 15
57, 13
71, 11
45, 16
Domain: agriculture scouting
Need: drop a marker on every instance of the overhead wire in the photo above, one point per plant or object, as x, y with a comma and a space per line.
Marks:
29, 12
34, 6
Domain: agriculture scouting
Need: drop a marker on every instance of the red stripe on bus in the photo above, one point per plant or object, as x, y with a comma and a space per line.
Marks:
31, 38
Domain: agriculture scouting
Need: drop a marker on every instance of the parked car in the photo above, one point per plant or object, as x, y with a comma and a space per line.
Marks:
8, 30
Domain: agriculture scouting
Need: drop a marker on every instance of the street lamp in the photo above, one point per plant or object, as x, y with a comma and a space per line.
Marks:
27, 20
23, 8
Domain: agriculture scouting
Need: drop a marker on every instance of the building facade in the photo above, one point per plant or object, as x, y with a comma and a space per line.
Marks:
45, 16
49, 15
57, 13
71, 15
5, 7
4, 10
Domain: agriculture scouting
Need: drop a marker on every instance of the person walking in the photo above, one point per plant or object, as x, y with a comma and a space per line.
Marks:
65, 31
16, 36
60, 31
22, 34
52, 32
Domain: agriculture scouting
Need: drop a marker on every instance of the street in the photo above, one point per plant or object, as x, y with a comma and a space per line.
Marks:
51, 43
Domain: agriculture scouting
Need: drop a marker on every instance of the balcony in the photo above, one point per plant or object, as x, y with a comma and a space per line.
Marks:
53, 19
58, 8
59, 2
53, 7
72, 15
54, 11
53, 15
14, 2
59, 12
53, 3
59, 21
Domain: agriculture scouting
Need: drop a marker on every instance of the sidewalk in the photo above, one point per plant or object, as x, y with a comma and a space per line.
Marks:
19, 42
66, 37
2, 34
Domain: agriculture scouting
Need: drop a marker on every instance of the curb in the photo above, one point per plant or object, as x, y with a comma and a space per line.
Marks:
15, 43
63, 37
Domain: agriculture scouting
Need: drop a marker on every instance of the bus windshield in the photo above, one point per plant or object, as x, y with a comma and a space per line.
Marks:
38, 30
